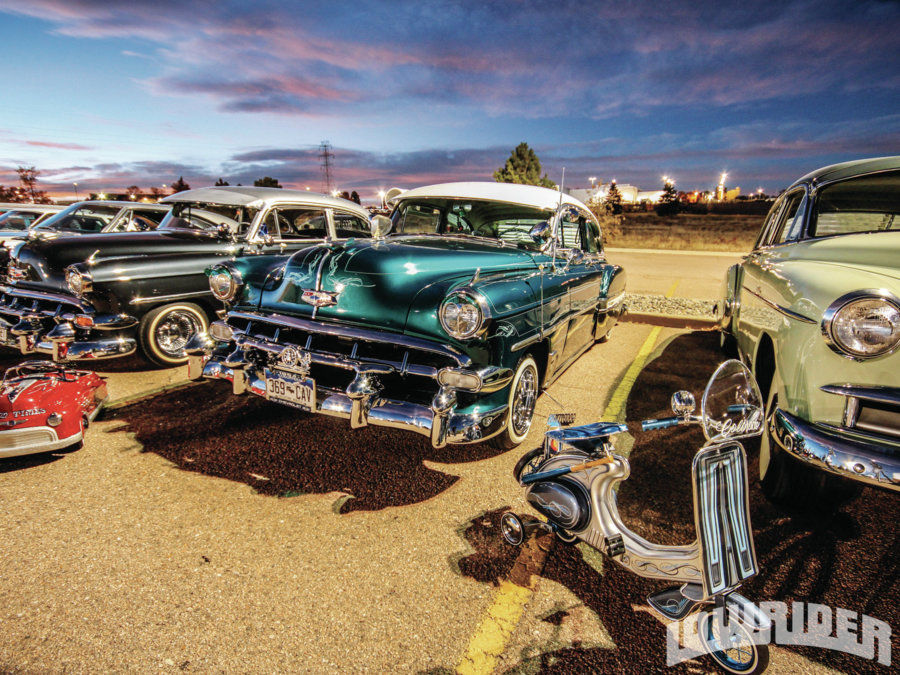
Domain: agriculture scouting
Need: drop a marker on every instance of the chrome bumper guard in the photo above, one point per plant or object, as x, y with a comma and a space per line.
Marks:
64, 341
363, 402
852, 455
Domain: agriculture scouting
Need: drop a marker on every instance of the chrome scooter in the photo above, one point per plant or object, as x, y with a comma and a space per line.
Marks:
571, 481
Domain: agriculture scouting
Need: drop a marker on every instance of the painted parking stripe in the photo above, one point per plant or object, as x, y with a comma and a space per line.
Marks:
507, 606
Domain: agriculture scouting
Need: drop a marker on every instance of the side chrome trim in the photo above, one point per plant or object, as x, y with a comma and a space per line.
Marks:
166, 298
781, 310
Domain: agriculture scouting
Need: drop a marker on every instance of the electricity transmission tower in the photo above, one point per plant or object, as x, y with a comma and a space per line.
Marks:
325, 155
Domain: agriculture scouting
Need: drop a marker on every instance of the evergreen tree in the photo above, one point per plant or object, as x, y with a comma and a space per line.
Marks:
179, 185
668, 204
614, 198
354, 197
524, 167
220, 183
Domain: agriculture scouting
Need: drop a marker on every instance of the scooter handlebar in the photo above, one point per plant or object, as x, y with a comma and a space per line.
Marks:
666, 422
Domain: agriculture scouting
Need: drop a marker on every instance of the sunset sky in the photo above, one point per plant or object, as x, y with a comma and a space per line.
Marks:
111, 93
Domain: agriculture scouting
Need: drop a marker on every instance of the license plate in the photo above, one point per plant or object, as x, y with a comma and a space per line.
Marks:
291, 391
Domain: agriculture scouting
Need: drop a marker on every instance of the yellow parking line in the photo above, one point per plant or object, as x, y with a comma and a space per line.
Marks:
508, 604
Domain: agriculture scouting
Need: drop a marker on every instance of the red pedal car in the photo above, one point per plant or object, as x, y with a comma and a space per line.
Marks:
45, 406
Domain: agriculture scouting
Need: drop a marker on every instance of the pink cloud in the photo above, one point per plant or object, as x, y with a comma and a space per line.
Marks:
59, 146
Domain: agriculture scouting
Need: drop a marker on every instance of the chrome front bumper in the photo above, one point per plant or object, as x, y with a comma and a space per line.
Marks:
362, 404
856, 456
39, 322
32, 440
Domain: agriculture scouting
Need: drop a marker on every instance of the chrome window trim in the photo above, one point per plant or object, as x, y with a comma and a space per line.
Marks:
845, 299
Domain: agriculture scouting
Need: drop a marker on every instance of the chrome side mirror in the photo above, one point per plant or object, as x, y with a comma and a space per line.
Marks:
380, 226
683, 403
574, 256
541, 232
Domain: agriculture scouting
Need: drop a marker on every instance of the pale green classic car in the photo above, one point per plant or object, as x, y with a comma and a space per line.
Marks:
815, 312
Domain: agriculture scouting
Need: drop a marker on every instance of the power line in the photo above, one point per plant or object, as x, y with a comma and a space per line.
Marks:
326, 155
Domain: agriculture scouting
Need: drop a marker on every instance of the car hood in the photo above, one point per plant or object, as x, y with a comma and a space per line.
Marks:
875, 253
46, 258
375, 283
29, 400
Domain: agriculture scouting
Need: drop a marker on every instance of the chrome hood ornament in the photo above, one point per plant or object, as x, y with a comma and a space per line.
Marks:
319, 298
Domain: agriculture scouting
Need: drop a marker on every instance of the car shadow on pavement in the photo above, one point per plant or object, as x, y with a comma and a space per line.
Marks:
284, 452
9, 464
844, 558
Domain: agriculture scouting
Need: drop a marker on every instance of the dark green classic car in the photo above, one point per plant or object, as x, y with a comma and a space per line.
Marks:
448, 322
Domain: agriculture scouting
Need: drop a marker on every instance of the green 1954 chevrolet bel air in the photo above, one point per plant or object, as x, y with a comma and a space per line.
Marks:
448, 322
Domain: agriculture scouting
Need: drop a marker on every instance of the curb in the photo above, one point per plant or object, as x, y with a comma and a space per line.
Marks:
671, 320
136, 398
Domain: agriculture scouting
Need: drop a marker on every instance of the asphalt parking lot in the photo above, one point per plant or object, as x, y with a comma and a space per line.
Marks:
201, 532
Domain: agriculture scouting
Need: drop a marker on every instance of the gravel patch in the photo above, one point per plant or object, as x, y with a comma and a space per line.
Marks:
659, 304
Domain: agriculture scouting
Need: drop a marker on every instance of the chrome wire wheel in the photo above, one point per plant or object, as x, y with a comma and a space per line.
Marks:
165, 331
523, 402
522, 398
174, 331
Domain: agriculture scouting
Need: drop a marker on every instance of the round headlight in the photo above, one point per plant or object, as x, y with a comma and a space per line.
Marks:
863, 327
462, 315
222, 284
77, 281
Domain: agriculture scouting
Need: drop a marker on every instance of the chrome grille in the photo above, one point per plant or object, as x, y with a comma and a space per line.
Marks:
25, 438
404, 364
19, 303
874, 410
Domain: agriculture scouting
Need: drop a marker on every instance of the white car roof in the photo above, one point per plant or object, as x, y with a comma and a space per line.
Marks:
38, 208
512, 193
260, 197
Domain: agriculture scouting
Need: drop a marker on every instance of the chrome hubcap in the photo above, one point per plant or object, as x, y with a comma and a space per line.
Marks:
523, 402
174, 331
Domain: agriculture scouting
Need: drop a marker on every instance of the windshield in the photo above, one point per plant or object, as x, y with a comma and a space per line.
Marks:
864, 204
80, 218
509, 223
208, 218
18, 220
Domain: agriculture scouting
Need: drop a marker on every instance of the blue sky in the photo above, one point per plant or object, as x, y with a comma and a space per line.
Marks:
109, 94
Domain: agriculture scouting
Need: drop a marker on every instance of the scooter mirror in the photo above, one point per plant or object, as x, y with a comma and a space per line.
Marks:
732, 406
683, 403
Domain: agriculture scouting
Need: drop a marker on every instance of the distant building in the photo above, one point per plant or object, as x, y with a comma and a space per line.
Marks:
629, 193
